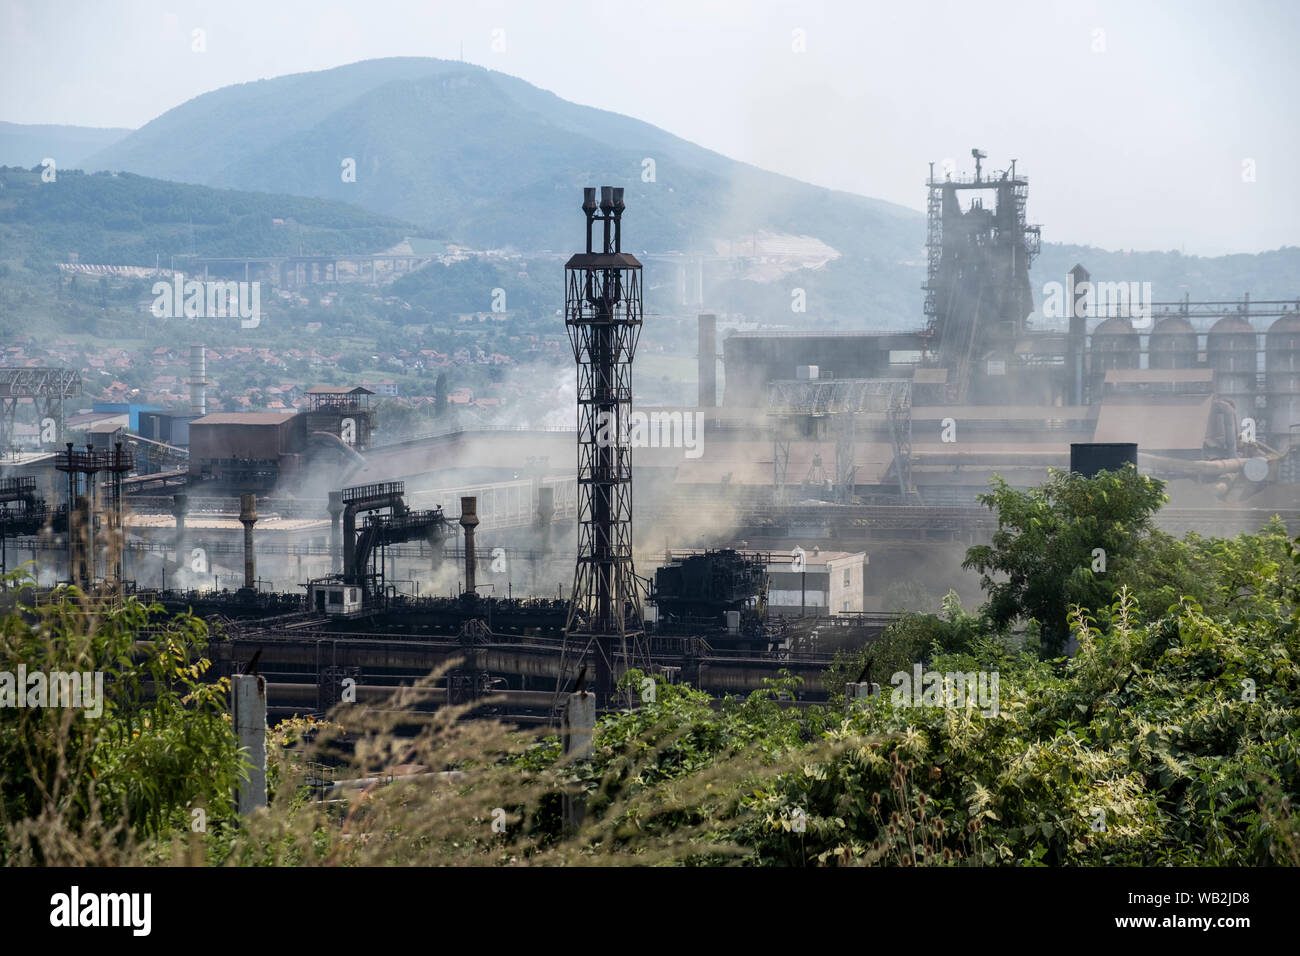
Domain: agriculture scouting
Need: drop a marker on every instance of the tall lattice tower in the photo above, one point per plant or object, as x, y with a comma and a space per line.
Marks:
602, 311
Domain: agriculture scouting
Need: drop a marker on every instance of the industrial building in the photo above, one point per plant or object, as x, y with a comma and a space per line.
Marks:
831, 467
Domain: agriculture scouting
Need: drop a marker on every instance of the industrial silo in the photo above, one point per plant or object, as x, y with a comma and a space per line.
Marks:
1172, 344
1230, 351
1115, 345
1282, 378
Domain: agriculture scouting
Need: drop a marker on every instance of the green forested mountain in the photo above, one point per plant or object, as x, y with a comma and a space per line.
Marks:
124, 219
68, 146
1269, 275
490, 160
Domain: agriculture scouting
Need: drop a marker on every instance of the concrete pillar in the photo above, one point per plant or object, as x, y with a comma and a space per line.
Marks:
336, 541
708, 361
248, 714
248, 517
859, 693
349, 542
577, 724
180, 506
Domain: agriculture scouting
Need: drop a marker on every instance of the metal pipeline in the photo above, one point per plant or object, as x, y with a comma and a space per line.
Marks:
1214, 468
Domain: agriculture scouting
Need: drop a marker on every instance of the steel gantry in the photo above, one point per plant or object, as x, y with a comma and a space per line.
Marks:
47, 388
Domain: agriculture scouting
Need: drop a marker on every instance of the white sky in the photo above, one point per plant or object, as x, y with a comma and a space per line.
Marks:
1139, 146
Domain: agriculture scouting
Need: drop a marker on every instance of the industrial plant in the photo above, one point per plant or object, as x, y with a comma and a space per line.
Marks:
829, 469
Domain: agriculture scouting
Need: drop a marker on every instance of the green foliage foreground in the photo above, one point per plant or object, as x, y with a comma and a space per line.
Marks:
1170, 737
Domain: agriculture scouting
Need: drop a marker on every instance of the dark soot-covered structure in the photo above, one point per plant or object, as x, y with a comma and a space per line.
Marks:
1088, 458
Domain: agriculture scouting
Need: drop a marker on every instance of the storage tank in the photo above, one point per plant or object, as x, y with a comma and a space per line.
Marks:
1172, 344
1282, 379
1230, 351
1115, 344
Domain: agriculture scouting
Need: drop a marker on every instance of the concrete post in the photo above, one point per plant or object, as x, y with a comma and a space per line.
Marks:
336, 540
707, 357
180, 505
855, 693
577, 723
248, 714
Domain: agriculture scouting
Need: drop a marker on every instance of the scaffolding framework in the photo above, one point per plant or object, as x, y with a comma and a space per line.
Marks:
842, 402
81, 468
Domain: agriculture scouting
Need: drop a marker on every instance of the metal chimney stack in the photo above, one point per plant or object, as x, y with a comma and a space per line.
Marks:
603, 316
469, 521
198, 380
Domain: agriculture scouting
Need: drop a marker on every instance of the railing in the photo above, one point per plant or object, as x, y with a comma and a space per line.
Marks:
381, 489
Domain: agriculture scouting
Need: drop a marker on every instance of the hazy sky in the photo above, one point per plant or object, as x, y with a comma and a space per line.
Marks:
1137, 122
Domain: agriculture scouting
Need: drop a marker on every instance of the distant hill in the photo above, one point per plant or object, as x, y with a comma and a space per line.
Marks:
490, 160
482, 158
68, 146
1266, 275
124, 219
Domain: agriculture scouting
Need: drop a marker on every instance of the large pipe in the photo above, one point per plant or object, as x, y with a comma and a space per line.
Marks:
469, 521
1195, 468
248, 517
350, 510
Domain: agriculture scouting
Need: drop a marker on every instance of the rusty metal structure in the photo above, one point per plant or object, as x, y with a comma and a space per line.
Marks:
603, 315
977, 292
81, 468
801, 408
342, 412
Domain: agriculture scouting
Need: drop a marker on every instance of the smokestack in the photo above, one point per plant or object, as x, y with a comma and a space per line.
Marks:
248, 517
708, 359
545, 512
1075, 339
469, 521
198, 380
